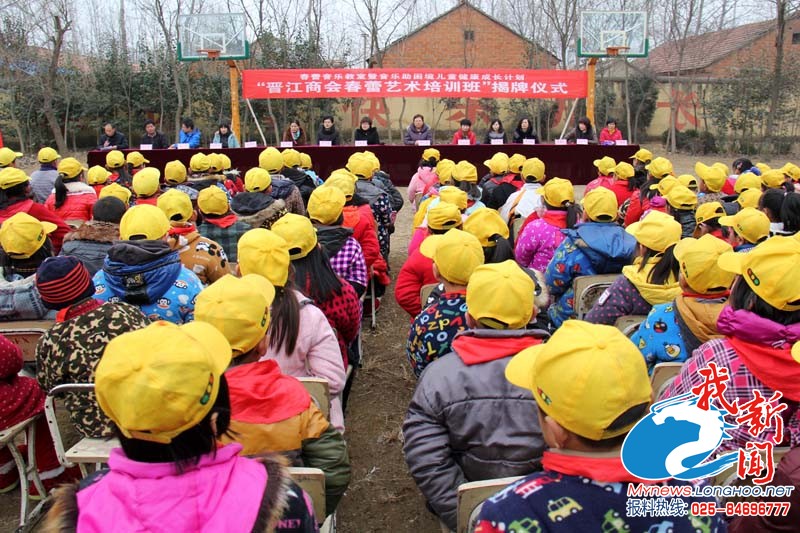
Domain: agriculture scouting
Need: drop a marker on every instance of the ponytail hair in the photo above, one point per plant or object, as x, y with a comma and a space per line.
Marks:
667, 266
285, 325
790, 212
572, 209
502, 250
60, 190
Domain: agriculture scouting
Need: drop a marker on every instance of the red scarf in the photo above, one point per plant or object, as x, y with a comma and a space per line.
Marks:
602, 469
185, 230
773, 366
224, 221
477, 350
80, 308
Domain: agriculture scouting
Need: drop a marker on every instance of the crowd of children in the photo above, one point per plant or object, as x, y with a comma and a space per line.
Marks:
194, 298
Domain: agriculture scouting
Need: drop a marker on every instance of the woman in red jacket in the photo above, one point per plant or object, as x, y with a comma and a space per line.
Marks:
610, 134
72, 199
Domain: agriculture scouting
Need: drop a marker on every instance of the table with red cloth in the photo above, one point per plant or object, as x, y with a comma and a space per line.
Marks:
573, 162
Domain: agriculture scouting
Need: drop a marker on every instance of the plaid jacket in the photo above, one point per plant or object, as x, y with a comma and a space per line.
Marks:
228, 237
348, 263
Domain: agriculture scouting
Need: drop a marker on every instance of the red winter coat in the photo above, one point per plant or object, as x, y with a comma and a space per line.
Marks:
42, 214
78, 205
343, 312
416, 272
362, 222
460, 135
606, 135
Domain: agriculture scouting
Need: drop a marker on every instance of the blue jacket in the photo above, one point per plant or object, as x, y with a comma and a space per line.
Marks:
192, 138
588, 249
149, 274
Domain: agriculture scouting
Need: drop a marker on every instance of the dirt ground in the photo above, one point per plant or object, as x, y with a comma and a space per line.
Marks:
382, 496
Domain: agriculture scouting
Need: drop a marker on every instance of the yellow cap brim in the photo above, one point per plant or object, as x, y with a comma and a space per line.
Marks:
731, 262
654, 187
519, 370
48, 227
796, 352
429, 245
727, 221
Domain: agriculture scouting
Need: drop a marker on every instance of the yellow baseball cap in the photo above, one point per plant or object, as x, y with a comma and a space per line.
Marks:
117, 191
498, 163
265, 253
749, 197
722, 166
749, 223
238, 308
146, 181
659, 167
664, 185
271, 160
372, 158
176, 205
444, 215
47, 155
500, 296
624, 171
143, 221
770, 269
708, 211
161, 380
344, 180
97, 175
21, 235
213, 201
698, 258
585, 377
257, 180
557, 192
444, 169
431, 153
680, 197
533, 168
11, 176
226, 162
135, 159
291, 158
713, 176
199, 163
605, 165
688, 181
115, 159
326, 204
8, 156
485, 223
456, 254
453, 195
772, 179
791, 170
70, 167
747, 180
215, 162
465, 171
175, 172
643, 155
600, 205
763, 167
657, 231
359, 164
515, 163
305, 161
298, 232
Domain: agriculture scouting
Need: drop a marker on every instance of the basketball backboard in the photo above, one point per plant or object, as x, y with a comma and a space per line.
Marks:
198, 34
624, 32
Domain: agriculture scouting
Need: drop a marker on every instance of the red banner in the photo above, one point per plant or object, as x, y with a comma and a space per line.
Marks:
409, 82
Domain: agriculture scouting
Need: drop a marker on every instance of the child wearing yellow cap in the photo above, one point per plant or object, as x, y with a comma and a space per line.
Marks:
651, 279
681, 204
525, 201
256, 206
270, 411
425, 180
219, 223
706, 219
43, 179
72, 198
296, 174
591, 387
759, 328
672, 331
466, 422
362, 165
748, 228
500, 182
465, 177
164, 388
281, 188
640, 202
598, 245
115, 163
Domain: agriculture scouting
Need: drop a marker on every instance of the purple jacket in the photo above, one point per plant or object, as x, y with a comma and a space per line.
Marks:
538, 241
412, 135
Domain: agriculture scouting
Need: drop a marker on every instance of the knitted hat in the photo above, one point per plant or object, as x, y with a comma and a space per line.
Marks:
63, 281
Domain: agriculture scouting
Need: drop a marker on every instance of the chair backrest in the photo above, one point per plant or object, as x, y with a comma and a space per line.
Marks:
472, 495
26, 334
629, 324
662, 377
426, 291
52, 421
516, 225
320, 392
588, 290
312, 481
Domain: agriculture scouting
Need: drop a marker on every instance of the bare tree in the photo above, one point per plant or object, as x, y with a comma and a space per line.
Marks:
777, 72
60, 15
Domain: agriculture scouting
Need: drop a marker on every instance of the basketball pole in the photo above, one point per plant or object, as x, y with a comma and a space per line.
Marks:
233, 74
591, 66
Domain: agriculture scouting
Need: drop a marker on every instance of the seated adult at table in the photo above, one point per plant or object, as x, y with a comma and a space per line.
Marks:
366, 132
188, 134
583, 130
328, 132
153, 137
524, 131
418, 131
225, 136
295, 134
92, 240
495, 132
44, 179
610, 134
465, 133
111, 139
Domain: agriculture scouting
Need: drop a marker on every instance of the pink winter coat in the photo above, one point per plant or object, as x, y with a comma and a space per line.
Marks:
78, 205
222, 493
316, 355
538, 241
423, 182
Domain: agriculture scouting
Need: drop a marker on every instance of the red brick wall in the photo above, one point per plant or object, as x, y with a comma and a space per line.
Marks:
760, 52
441, 44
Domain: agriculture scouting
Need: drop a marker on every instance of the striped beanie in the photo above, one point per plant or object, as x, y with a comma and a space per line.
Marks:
63, 281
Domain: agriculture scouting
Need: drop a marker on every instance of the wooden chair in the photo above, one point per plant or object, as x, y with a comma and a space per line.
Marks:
312, 481
471, 497
8, 439
588, 290
662, 377
26, 334
426, 291
87, 450
320, 392
629, 324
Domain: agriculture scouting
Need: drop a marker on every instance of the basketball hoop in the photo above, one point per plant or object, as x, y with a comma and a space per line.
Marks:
613, 51
210, 53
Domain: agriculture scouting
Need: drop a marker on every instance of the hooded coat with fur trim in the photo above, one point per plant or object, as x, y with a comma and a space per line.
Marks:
90, 243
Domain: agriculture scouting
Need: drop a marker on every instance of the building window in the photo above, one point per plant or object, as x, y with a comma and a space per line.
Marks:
796, 38
469, 35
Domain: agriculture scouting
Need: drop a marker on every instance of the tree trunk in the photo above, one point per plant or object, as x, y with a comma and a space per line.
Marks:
777, 76
60, 28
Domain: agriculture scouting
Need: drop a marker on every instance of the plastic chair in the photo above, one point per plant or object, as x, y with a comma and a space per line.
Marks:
425, 292
629, 324
471, 497
8, 438
663, 375
373, 299
320, 392
26, 334
588, 290
312, 481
